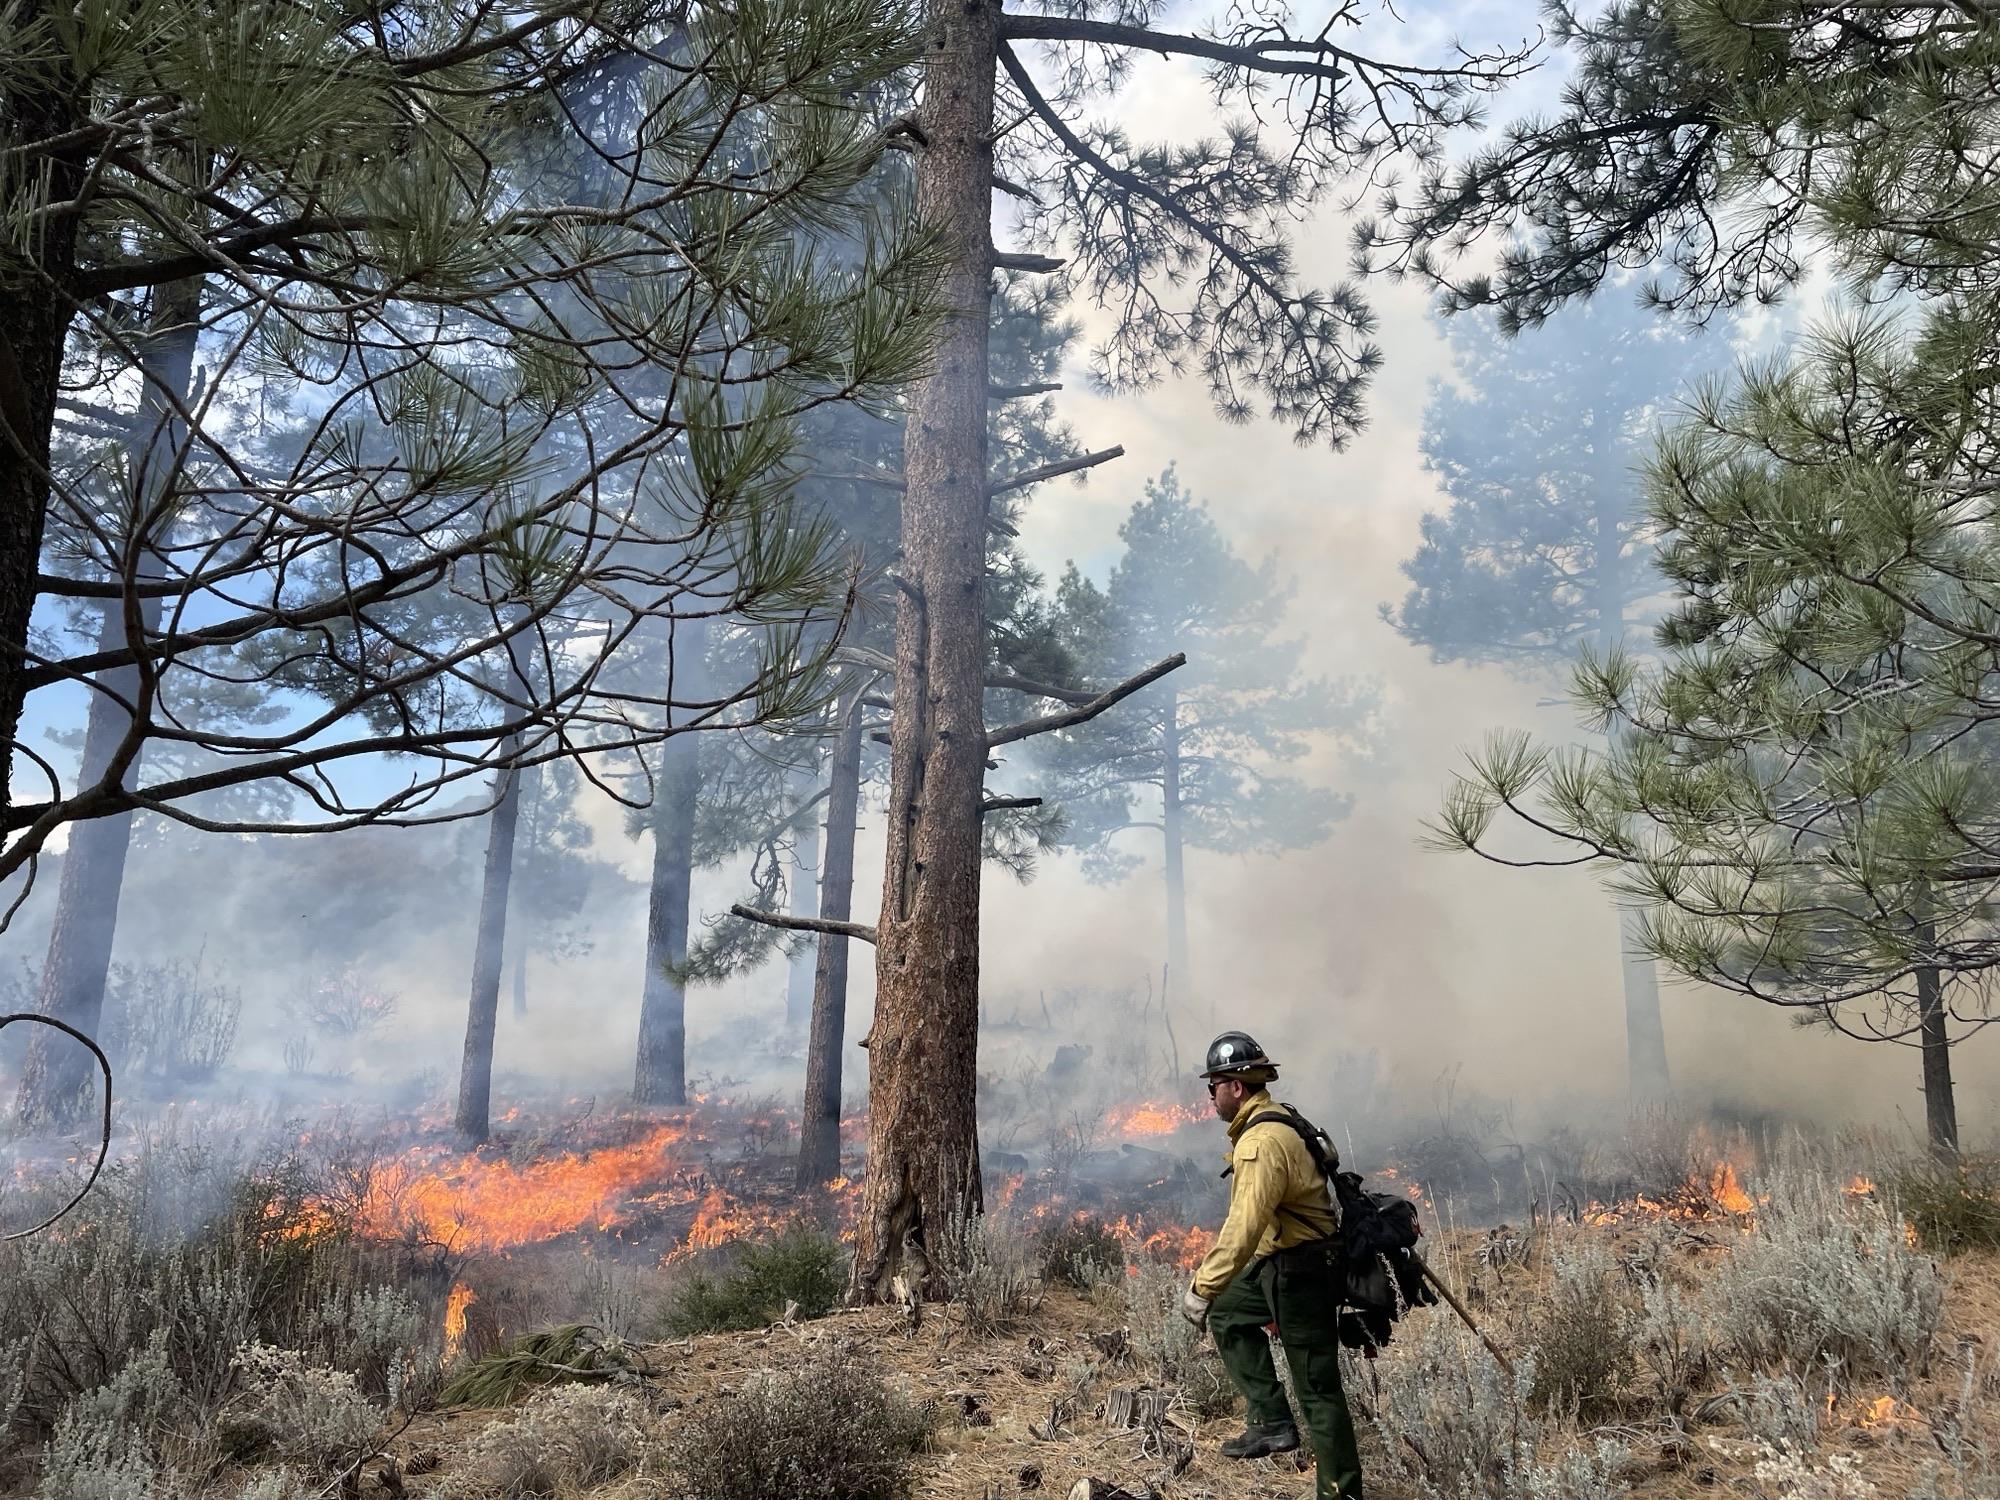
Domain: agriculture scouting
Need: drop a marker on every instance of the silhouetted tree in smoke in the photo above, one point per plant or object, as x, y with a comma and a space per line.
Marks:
1187, 245
1799, 795
432, 433
1194, 759
1538, 439
558, 875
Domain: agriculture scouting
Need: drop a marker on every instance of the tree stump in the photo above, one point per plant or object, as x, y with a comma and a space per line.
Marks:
1135, 1406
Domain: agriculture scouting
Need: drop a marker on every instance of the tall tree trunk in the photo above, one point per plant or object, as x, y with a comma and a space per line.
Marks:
58, 1075
819, 1124
1647, 1078
1940, 1105
1170, 823
35, 318
801, 974
534, 791
923, 1139
660, 1076
1940, 1102
475, 1077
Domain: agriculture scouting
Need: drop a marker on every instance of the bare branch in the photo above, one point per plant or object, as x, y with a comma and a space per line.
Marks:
1053, 471
1001, 804
1011, 260
1087, 711
1016, 392
1076, 696
804, 924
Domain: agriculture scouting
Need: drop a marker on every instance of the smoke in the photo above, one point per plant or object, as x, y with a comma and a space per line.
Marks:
1455, 977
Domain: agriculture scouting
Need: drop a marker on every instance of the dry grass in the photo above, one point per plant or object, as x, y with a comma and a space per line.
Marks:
1018, 1405
1024, 1407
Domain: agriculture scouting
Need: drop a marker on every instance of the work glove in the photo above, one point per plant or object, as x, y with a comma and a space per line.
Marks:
1195, 1308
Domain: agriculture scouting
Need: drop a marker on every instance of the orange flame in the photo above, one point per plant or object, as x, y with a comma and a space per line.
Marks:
462, 1297
474, 1204
1728, 1192
1881, 1411
1155, 1117
1721, 1192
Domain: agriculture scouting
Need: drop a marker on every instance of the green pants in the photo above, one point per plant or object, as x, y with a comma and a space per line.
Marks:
1301, 1301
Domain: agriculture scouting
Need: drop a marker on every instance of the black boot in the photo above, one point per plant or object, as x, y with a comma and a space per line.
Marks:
1261, 1439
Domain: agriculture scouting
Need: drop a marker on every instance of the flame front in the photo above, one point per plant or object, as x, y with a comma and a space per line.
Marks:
473, 1204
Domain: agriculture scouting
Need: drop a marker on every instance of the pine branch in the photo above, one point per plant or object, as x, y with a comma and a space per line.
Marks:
1265, 57
1087, 711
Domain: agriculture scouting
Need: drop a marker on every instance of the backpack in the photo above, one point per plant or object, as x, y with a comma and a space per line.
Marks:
1374, 1252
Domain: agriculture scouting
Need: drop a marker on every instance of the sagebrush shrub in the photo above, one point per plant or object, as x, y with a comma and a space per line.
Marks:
206, 1251
1672, 1340
312, 1416
1953, 1206
1458, 1429
804, 1267
1080, 1252
570, 1436
1786, 1474
1827, 1281
1173, 1352
984, 1266
280, 1484
1582, 1335
826, 1430
1780, 1413
107, 1442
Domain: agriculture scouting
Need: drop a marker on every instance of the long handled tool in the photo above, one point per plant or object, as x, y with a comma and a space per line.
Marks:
1459, 1308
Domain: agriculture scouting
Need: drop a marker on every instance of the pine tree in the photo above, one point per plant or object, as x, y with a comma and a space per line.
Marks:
1538, 440
1187, 244
430, 430
1197, 758
1800, 797
1794, 794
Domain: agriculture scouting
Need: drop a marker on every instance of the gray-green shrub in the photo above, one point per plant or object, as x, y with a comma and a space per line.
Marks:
1827, 1282
828, 1429
1582, 1333
1171, 1351
1457, 1428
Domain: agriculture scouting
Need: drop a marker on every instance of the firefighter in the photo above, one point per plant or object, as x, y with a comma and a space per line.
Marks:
1273, 1264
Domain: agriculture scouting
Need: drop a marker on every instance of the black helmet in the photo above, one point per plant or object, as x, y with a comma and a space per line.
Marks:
1235, 1052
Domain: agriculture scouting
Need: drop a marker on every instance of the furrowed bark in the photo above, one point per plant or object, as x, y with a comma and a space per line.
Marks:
1940, 1101
57, 1075
923, 1148
805, 900
819, 1125
660, 1075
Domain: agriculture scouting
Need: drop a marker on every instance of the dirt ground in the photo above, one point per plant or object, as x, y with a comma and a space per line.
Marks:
1009, 1422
